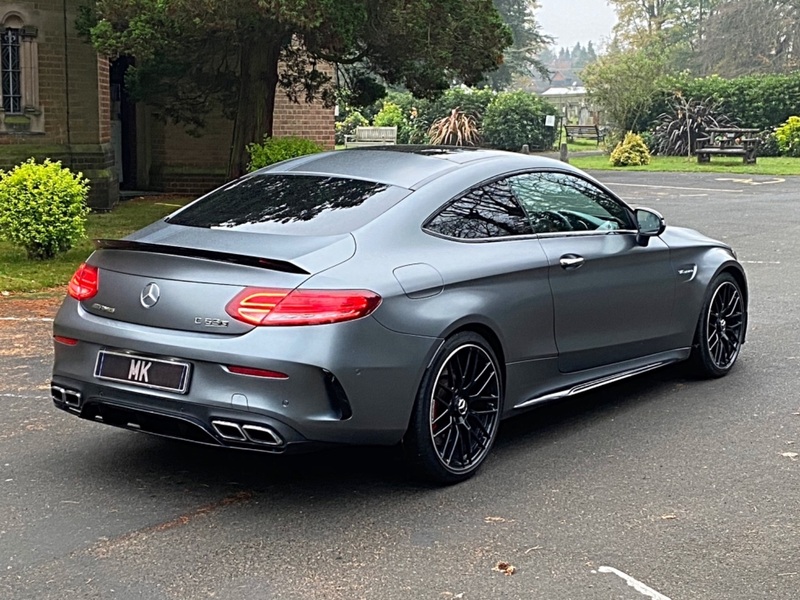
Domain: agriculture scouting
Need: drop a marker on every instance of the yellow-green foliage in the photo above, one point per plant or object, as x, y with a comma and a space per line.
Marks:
43, 208
277, 149
631, 151
788, 137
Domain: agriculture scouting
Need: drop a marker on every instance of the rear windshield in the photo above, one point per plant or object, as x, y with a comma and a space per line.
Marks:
291, 204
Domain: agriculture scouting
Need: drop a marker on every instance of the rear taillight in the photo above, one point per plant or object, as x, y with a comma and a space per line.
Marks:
259, 306
84, 283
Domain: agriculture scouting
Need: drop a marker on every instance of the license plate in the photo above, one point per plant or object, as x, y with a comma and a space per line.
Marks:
143, 371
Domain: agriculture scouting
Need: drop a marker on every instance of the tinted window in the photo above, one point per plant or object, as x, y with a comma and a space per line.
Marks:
558, 202
291, 204
490, 211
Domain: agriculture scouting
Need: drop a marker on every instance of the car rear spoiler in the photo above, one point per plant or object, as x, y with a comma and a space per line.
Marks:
238, 259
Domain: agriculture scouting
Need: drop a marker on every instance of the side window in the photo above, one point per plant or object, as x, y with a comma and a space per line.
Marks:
559, 202
490, 211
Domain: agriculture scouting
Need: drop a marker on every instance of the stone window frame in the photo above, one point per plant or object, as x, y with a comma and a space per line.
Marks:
30, 119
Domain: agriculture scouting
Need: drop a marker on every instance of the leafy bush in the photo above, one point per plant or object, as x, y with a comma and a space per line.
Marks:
457, 129
276, 149
43, 208
788, 137
516, 118
390, 115
632, 151
678, 129
768, 144
347, 126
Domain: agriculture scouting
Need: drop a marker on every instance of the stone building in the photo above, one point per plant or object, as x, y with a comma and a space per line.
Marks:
59, 99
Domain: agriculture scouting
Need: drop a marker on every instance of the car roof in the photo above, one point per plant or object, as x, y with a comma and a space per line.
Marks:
404, 166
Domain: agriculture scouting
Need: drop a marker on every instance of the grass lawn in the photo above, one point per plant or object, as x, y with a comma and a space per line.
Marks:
19, 275
765, 166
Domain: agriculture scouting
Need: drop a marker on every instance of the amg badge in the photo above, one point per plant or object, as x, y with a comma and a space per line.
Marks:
210, 322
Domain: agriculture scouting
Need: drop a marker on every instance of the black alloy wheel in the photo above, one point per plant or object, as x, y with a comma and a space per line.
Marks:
721, 328
457, 412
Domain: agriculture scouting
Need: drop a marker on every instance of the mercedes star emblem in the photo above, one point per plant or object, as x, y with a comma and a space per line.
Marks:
150, 295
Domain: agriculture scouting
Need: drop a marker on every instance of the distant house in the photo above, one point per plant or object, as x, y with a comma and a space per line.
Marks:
573, 103
61, 100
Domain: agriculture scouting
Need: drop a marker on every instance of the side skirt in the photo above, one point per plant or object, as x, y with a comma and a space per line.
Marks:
603, 380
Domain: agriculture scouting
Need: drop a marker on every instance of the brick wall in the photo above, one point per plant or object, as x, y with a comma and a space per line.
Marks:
73, 103
185, 164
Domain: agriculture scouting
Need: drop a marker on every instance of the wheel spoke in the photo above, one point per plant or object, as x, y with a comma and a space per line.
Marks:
466, 397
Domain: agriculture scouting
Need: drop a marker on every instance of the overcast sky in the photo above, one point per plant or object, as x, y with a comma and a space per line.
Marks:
572, 21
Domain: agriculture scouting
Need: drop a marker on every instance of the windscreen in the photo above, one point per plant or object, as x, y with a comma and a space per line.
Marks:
291, 205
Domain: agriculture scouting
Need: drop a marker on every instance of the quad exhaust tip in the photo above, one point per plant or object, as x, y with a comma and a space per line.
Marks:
71, 398
257, 434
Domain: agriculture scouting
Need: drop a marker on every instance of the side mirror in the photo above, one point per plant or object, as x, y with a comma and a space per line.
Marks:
649, 224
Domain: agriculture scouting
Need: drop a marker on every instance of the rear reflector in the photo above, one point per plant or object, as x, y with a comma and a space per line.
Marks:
65, 340
257, 372
84, 282
268, 306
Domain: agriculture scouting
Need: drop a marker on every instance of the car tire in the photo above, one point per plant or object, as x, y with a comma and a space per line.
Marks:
457, 411
720, 328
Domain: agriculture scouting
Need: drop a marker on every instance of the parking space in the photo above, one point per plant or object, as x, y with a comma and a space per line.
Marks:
659, 487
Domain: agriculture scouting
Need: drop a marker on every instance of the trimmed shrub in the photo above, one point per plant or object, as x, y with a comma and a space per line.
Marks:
788, 137
514, 119
630, 152
276, 149
348, 125
43, 208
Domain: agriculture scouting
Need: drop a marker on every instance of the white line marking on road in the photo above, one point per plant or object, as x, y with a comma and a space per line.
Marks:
38, 319
24, 397
750, 181
671, 187
637, 585
761, 262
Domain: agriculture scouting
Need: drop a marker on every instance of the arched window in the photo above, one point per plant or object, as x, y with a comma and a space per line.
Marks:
12, 70
19, 75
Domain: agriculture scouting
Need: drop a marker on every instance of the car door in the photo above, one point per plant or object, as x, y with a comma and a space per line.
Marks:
612, 297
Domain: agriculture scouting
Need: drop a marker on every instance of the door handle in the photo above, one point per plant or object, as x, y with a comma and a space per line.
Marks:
571, 261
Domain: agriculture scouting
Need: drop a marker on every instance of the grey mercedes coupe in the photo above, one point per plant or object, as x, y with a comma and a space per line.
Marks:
391, 295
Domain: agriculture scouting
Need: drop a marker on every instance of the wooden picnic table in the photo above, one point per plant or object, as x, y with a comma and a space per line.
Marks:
728, 141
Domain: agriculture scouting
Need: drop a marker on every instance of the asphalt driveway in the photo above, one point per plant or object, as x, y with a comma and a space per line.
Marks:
658, 487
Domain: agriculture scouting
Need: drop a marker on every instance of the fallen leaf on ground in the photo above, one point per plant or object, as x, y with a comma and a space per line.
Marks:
792, 455
494, 520
505, 568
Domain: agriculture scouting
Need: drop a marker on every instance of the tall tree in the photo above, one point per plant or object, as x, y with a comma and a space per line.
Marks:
745, 37
522, 57
193, 55
624, 81
675, 21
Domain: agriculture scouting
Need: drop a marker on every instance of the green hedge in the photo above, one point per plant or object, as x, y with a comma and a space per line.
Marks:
760, 101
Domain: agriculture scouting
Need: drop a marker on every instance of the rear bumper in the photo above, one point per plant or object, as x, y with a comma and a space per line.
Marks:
351, 383
168, 418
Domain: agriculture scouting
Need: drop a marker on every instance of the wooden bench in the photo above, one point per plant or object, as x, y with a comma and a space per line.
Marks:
591, 132
727, 141
371, 136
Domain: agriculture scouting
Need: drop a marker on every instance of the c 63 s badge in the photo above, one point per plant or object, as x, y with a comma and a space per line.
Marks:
207, 322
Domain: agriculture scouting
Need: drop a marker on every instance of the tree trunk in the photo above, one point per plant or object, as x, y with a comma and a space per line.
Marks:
257, 86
